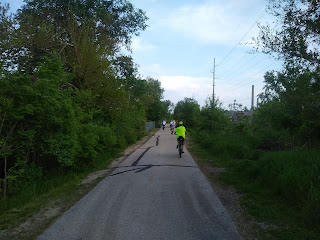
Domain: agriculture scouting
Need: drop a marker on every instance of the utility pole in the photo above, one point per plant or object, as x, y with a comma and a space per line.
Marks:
213, 78
252, 98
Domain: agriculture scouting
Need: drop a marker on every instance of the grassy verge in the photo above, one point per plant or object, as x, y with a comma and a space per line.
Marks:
263, 197
56, 192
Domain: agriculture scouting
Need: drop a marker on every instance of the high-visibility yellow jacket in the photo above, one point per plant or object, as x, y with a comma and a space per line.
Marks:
181, 131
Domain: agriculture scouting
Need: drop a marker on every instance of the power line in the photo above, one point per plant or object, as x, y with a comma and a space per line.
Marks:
232, 73
232, 89
234, 64
200, 92
248, 69
255, 22
204, 92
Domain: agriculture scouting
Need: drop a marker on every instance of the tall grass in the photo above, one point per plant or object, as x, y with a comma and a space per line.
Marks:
22, 205
33, 195
295, 176
29, 191
228, 146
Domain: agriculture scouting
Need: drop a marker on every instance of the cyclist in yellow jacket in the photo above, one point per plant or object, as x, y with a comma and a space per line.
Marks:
181, 132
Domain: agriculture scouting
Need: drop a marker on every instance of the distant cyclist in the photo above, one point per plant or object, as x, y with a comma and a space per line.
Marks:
172, 126
181, 133
163, 124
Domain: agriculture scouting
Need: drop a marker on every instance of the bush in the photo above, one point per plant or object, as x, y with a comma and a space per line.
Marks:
23, 174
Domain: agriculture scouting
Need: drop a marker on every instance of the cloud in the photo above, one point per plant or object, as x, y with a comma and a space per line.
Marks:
211, 22
179, 87
182, 82
139, 45
151, 70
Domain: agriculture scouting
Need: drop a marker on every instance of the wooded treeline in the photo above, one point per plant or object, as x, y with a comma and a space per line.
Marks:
277, 147
67, 91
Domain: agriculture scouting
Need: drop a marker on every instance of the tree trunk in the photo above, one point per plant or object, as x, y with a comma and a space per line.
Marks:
5, 178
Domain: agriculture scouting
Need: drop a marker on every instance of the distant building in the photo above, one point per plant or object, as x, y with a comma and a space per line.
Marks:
236, 116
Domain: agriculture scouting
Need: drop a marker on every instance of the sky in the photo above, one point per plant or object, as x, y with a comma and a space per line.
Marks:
185, 36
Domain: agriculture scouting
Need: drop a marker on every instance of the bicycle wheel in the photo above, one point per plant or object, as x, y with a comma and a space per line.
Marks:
180, 149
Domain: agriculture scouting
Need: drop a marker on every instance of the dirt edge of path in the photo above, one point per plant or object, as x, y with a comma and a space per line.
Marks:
40, 221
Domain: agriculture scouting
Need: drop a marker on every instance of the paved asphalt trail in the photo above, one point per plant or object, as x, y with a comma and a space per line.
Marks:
153, 194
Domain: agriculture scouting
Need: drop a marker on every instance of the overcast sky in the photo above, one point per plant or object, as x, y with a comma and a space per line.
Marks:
183, 38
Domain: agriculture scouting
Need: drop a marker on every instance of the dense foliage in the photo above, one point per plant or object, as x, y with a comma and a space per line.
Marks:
297, 38
67, 93
291, 97
188, 111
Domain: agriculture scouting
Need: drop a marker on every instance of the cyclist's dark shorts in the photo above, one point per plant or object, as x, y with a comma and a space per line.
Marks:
181, 138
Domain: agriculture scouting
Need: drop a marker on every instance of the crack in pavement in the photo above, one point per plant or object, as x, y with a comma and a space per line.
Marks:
145, 167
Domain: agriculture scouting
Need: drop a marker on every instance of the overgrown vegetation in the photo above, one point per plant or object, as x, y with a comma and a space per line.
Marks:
280, 185
272, 156
67, 92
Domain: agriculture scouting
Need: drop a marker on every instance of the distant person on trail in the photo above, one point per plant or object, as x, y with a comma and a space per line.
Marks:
163, 124
172, 126
181, 133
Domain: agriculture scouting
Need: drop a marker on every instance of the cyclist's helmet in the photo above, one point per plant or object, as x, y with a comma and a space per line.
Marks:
180, 122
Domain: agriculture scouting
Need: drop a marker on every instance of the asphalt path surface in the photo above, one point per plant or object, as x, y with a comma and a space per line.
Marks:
153, 194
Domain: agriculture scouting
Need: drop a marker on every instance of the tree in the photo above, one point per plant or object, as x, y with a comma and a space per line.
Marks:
165, 111
236, 107
87, 35
213, 118
6, 29
151, 99
188, 111
291, 96
298, 37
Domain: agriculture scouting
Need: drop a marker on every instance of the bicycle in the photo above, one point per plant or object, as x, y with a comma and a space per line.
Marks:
180, 139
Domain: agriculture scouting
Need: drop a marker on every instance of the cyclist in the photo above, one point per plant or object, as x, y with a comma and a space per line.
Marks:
172, 126
181, 132
163, 124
